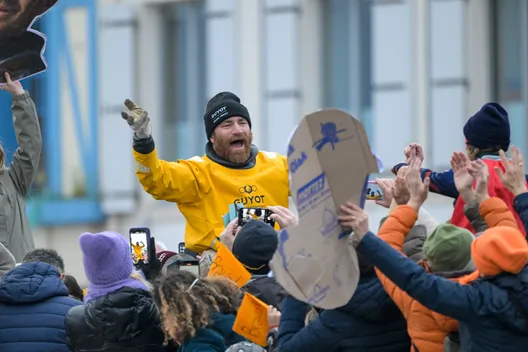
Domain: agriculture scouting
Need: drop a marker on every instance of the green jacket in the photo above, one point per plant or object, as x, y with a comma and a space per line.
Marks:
16, 180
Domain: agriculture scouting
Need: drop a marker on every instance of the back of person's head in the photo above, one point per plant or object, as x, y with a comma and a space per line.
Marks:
182, 307
48, 256
73, 287
489, 128
228, 289
108, 264
254, 246
500, 249
448, 249
245, 347
204, 289
7, 260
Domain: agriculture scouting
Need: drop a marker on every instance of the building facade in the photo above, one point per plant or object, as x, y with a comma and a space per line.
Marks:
411, 70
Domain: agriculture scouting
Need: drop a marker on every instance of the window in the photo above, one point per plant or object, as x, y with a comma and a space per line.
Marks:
184, 71
510, 71
347, 58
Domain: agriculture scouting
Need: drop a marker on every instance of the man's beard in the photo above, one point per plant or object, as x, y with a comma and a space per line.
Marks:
223, 149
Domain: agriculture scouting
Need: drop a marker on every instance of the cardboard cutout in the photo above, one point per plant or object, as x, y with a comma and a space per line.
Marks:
329, 160
22, 48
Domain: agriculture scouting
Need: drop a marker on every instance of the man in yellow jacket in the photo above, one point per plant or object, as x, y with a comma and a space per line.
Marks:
232, 170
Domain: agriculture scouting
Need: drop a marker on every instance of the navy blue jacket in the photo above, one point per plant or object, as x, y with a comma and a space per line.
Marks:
520, 204
204, 340
368, 322
223, 324
33, 306
492, 312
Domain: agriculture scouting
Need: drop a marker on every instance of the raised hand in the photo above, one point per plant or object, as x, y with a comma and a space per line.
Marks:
386, 187
400, 191
418, 152
14, 88
283, 216
137, 119
418, 189
464, 173
480, 171
355, 218
513, 177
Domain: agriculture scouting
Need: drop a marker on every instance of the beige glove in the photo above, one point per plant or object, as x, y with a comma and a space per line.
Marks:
137, 119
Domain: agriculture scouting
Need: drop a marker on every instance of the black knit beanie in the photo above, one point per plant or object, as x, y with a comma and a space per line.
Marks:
221, 107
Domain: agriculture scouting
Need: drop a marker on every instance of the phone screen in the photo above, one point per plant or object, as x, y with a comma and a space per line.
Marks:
374, 191
139, 241
245, 215
195, 269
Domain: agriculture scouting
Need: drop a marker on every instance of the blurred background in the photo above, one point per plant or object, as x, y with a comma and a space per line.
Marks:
410, 70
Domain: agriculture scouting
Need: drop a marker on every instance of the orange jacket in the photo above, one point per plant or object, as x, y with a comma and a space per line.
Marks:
426, 328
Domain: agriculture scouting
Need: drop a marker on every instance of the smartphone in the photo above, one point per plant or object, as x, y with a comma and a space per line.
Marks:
139, 239
182, 262
245, 215
181, 247
374, 191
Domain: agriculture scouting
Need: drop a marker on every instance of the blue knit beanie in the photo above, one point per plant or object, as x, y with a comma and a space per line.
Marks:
488, 128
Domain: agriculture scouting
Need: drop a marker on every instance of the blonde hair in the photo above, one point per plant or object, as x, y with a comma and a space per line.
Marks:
137, 275
311, 315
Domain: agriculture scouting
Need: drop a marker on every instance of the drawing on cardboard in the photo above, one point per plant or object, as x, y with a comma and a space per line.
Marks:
313, 261
21, 47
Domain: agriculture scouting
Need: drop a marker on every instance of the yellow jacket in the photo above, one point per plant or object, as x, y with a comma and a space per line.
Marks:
204, 189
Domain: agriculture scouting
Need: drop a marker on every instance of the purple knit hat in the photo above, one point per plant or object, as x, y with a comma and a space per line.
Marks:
107, 264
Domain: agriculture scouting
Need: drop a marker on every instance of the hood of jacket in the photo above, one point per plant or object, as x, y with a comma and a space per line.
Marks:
31, 283
223, 324
515, 313
204, 340
370, 301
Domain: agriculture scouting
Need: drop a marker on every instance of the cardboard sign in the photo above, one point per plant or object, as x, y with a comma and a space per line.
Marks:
330, 160
252, 320
22, 48
225, 264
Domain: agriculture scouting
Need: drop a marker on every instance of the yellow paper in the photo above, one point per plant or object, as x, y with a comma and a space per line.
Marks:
225, 264
252, 320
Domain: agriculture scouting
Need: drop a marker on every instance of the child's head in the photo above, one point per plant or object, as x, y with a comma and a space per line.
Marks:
204, 289
448, 248
228, 289
488, 131
184, 307
500, 249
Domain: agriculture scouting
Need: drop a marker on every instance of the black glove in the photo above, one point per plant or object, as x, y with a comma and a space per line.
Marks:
153, 269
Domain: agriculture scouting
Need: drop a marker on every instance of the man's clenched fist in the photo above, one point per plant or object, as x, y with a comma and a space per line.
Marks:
138, 119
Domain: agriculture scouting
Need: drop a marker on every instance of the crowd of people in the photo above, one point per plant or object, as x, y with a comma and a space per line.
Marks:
426, 284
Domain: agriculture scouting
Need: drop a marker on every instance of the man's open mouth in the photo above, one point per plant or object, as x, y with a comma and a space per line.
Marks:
237, 143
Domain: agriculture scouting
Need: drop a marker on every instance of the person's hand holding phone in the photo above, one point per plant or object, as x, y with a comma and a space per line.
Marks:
385, 186
283, 216
151, 269
227, 237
